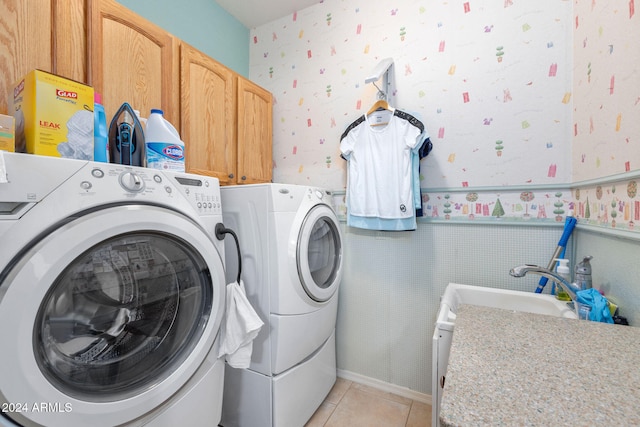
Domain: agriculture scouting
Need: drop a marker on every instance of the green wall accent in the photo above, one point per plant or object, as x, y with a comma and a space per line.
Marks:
204, 25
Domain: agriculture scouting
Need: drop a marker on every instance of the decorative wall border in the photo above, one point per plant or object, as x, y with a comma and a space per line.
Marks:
608, 205
522, 205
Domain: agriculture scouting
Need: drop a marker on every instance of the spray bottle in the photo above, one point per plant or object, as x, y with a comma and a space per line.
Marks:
583, 274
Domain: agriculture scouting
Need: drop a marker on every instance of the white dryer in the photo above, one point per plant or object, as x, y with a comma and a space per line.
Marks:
291, 267
111, 295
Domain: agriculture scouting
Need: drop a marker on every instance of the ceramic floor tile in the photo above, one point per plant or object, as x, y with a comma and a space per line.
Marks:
420, 415
383, 394
321, 415
339, 389
359, 408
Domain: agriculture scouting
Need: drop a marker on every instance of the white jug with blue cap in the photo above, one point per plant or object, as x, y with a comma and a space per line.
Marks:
164, 148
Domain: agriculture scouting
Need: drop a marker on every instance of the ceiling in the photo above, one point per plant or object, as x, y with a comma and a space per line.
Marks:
254, 13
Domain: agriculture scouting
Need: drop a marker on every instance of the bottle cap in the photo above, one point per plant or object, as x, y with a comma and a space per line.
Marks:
563, 266
97, 98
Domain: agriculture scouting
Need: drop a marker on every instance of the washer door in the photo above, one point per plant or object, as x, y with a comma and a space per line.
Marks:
319, 253
109, 315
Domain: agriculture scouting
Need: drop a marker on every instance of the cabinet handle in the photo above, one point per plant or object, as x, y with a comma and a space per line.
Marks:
231, 175
442, 381
244, 178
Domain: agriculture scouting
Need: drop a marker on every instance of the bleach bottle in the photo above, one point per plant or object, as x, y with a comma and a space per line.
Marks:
164, 148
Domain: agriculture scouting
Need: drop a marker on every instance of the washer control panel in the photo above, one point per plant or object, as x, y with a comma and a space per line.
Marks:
201, 192
132, 182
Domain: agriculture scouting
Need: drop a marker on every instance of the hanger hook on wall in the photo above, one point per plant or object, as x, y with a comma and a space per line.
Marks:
381, 94
383, 70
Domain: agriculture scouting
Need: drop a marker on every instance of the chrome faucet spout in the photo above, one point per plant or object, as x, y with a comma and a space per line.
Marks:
522, 270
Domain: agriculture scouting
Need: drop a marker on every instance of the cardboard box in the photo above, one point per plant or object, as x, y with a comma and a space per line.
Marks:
7, 133
53, 116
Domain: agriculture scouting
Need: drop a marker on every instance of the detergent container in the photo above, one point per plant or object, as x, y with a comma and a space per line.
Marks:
164, 148
100, 133
563, 270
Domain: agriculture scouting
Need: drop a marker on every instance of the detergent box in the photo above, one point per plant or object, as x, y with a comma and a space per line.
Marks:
53, 116
7, 133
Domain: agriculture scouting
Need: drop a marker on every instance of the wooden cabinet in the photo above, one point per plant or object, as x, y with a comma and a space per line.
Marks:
226, 121
255, 133
132, 60
44, 34
207, 123
70, 39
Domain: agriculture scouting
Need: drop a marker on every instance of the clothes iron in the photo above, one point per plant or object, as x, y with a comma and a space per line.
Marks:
126, 138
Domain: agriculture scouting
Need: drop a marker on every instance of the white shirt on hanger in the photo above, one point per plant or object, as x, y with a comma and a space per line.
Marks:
379, 179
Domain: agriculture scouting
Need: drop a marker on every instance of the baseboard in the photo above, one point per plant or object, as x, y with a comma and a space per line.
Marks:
381, 385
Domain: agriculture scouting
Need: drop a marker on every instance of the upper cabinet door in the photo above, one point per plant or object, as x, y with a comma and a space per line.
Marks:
132, 60
48, 35
70, 39
207, 104
255, 133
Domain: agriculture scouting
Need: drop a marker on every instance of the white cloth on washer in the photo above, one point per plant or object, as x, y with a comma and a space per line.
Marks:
239, 328
3, 169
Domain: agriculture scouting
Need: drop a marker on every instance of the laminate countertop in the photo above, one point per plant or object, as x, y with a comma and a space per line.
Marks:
511, 368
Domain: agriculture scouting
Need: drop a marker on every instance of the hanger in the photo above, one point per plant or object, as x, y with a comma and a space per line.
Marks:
379, 105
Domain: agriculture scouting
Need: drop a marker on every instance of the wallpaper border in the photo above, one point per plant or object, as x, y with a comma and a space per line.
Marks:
614, 210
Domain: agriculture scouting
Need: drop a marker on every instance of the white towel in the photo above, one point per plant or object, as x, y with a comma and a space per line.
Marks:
240, 327
3, 169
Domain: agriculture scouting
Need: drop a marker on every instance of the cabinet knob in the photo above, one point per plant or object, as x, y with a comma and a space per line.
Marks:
231, 175
243, 178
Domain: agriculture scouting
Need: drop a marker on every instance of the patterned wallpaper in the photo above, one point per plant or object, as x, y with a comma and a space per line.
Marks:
606, 129
490, 80
520, 98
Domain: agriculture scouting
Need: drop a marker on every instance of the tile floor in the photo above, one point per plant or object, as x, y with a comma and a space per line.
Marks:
350, 404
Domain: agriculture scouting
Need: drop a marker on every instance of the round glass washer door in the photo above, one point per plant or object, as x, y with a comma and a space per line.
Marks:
121, 315
114, 316
319, 253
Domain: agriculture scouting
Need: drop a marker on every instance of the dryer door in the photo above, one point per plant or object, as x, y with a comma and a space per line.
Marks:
319, 253
108, 316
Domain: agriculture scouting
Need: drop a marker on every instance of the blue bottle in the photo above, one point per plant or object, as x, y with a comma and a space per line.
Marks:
100, 135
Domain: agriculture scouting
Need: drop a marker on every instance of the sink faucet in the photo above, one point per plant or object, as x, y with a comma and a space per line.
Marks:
522, 270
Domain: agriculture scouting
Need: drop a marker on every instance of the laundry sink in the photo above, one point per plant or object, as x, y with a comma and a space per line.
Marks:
456, 294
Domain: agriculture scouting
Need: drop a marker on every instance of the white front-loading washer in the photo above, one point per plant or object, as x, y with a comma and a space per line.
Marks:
111, 295
291, 247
